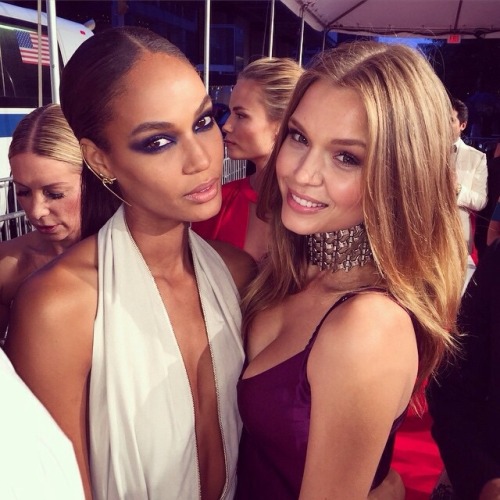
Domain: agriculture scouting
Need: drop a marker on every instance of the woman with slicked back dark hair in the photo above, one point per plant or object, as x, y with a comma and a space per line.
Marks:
133, 338
88, 86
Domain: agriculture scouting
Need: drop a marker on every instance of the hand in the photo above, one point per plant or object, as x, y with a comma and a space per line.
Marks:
491, 490
392, 488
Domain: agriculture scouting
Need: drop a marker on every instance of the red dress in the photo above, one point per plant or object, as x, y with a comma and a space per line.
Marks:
231, 223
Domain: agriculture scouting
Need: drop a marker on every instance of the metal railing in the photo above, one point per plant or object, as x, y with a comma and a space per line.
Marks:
13, 221
233, 170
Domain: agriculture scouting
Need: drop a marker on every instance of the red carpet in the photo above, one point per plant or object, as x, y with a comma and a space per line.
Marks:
416, 456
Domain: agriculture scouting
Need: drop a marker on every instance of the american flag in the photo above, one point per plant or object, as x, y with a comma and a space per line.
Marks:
28, 46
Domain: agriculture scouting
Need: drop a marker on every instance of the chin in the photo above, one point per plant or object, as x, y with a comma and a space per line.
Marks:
293, 227
236, 157
207, 211
303, 229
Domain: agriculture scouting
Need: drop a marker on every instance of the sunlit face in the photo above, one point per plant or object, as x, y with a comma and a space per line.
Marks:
320, 163
49, 192
456, 126
250, 135
165, 150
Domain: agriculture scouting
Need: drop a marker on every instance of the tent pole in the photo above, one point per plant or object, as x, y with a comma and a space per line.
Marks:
54, 55
206, 69
39, 68
301, 41
271, 30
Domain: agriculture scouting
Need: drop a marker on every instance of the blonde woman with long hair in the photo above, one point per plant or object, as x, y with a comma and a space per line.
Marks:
257, 104
356, 303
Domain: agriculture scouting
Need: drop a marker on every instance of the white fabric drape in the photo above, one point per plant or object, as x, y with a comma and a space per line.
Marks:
143, 443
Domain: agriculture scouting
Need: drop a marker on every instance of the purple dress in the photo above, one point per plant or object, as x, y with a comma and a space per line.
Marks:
275, 407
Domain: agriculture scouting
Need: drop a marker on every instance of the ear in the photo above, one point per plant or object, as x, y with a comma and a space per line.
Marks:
96, 158
463, 125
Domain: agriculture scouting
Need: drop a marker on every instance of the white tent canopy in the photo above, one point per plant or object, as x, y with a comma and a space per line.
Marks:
426, 18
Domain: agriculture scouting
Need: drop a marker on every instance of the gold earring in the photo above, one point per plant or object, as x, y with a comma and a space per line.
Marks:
106, 181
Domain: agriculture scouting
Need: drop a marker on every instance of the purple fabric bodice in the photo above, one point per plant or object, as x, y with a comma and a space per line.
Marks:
275, 407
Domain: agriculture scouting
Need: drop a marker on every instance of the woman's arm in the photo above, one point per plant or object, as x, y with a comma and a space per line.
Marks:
10, 277
391, 488
491, 490
50, 346
361, 370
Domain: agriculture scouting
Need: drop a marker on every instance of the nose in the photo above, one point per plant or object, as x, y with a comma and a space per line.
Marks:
37, 207
198, 157
308, 169
228, 125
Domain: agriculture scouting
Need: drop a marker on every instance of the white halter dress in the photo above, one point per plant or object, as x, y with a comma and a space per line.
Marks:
142, 438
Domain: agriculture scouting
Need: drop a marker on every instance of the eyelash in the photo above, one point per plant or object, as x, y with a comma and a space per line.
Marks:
349, 159
158, 143
47, 194
55, 196
208, 125
296, 136
154, 144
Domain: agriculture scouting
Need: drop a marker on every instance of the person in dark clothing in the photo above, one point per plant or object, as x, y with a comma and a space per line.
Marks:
464, 399
481, 239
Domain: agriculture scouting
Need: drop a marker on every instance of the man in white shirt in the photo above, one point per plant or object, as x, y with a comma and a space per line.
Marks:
37, 460
472, 176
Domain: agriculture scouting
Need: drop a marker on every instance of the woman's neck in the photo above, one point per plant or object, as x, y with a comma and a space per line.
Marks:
256, 178
343, 281
41, 245
343, 258
165, 249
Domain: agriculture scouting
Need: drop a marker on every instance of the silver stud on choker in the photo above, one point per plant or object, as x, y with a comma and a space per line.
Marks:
343, 249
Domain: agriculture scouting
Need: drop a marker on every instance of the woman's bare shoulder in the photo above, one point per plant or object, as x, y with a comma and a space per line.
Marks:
11, 251
369, 336
76, 266
53, 313
64, 288
241, 265
374, 313
15, 265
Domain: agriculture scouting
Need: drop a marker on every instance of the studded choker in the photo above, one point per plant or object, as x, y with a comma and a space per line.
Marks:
343, 249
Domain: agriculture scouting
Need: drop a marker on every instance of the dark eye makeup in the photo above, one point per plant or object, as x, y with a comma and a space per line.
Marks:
161, 141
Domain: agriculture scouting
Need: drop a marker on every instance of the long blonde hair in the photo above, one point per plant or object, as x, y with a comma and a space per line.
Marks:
408, 196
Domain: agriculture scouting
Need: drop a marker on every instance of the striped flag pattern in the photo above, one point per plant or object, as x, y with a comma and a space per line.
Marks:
28, 46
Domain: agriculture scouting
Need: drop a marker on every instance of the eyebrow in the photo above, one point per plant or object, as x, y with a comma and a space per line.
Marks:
342, 142
150, 126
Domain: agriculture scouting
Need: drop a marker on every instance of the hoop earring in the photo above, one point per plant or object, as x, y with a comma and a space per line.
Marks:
106, 181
